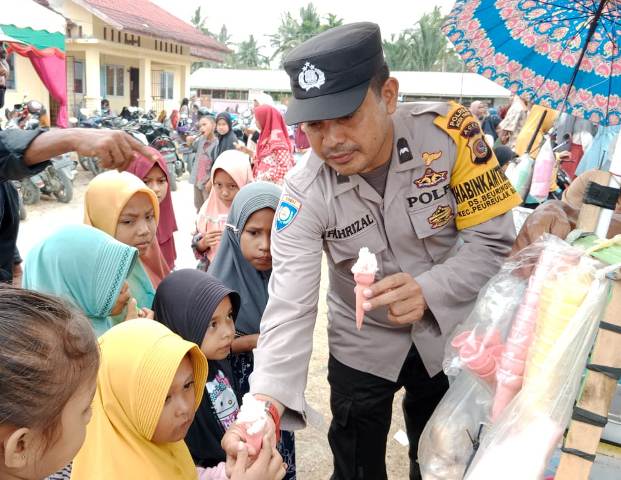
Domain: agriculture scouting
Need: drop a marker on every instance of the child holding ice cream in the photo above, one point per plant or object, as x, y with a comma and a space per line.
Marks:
202, 310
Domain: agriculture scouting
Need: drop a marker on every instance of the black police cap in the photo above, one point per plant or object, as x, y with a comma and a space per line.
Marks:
330, 73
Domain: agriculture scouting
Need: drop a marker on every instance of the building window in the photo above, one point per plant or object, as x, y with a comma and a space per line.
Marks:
112, 79
218, 94
10, 81
167, 80
78, 76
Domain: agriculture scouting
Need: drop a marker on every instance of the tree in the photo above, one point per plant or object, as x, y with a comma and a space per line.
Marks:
199, 22
293, 31
423, 47
249, 55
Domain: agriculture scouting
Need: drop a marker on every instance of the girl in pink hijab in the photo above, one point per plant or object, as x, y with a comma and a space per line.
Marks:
230, 172
155, 175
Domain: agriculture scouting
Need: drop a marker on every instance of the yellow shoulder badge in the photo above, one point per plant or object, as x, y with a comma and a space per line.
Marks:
481, 189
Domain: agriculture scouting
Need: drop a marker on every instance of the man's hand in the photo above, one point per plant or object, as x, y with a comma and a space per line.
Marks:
114, 148
268, 465
401, 294
554, 217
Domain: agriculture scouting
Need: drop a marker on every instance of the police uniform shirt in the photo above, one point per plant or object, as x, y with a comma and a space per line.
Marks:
443, 219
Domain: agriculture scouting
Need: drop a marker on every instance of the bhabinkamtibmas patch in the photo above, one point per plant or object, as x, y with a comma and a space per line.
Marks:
481, 189
484, 196
288, 209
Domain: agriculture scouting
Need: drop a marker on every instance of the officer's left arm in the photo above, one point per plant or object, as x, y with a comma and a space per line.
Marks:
484, 198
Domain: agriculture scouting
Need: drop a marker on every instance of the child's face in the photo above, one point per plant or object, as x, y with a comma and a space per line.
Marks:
156, 180
255, 239
225, 187
220, 333
222, 127
122, 299
206, 126
178, 412
136, 226
27, 453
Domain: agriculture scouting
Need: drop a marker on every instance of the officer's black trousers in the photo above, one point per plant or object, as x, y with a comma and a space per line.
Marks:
361, 406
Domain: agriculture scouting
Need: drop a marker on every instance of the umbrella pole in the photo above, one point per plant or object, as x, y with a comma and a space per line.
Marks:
585, 429
536, 132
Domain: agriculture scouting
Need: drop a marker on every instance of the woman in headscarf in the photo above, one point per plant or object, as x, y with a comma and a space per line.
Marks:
148, 387
274, 155
154, 173
120, 204
226, 136
201, 310
244, 264
230, 172
85, 266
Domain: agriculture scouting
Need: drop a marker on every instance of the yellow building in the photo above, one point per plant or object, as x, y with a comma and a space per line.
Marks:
133, 53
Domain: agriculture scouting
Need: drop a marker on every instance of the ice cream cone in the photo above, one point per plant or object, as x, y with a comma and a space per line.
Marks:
363, 280
255, 440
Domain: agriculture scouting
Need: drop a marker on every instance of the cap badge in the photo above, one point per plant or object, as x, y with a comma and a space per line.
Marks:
311, 77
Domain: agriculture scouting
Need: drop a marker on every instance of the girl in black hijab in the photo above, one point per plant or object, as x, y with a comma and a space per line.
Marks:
200, 309
224, 132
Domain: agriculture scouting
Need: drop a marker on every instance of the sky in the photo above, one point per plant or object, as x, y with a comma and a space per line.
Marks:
262, 17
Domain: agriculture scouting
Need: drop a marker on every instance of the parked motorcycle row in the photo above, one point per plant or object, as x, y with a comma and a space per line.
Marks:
141, 126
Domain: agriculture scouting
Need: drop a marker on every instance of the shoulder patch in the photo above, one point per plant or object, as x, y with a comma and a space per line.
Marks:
288, 209
457, 118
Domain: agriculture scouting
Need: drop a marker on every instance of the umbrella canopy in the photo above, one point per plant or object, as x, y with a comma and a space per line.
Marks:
562, 54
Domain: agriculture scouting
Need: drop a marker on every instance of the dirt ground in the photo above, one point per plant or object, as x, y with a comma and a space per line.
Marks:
314, 459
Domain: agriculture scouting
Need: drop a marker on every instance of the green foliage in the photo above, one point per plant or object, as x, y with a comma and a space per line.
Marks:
293, 31
423, 47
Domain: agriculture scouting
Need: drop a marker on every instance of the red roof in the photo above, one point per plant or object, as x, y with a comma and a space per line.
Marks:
144, 17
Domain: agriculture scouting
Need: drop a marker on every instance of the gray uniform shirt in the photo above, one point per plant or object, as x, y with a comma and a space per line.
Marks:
440, 179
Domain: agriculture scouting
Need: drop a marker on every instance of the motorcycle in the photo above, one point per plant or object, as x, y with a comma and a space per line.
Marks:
56, 180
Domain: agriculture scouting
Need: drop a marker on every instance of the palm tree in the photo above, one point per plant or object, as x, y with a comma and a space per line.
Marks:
199, 22
249, 55
293, 31
423, 47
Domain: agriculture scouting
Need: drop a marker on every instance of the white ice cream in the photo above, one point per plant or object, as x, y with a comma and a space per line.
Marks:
253, 413
366, 263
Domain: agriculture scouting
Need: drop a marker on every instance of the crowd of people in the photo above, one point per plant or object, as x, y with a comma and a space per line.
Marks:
87, 394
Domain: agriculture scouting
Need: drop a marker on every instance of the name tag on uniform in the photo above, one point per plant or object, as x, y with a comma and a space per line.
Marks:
288, 209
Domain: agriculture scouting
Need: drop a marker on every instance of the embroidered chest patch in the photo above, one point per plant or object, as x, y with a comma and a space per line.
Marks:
288, 209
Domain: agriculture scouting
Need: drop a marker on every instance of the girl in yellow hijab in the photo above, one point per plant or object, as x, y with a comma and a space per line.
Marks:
121, 205
149, 385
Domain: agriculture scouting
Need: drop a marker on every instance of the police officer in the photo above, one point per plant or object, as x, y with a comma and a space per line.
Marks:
416, 184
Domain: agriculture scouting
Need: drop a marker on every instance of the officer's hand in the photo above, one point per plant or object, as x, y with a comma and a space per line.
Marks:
114, 148
554, 217
268, 465
401, 294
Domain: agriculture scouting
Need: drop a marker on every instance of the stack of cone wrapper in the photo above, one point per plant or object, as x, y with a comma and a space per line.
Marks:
555, 290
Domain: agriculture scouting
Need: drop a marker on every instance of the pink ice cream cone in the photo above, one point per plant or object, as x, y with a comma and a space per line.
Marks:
364, 275
255, 440
363, 280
